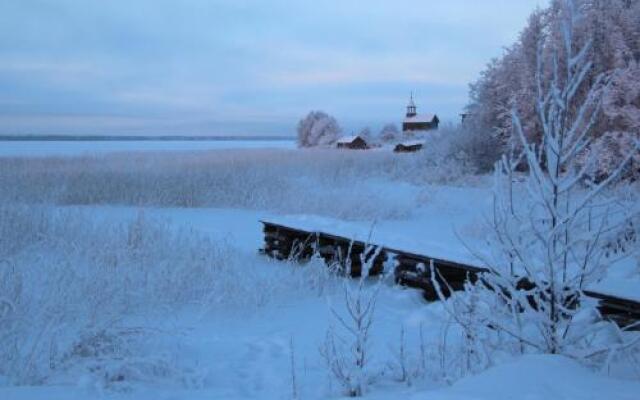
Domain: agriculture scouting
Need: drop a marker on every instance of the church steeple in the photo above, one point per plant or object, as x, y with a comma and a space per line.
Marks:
411, 108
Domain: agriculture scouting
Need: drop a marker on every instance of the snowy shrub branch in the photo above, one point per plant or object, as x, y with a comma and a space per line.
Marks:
346, 348
553, 245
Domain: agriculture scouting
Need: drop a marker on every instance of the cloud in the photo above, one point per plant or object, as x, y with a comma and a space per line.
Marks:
239, 63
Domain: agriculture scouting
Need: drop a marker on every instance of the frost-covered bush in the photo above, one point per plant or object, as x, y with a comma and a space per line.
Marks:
460, 148
317, 129
347, 346
69, 283
389, 133
468, 343
366, 134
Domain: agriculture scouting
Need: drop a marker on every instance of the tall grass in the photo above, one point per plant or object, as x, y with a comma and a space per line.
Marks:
67, 281
325, 182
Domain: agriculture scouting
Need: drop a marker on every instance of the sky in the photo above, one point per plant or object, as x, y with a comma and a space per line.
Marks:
234, 67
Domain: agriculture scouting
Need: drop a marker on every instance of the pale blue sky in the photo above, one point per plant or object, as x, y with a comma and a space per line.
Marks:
240, 67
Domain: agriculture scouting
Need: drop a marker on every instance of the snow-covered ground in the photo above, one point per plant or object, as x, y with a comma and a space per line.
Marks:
276, 315
245, 352
247, 355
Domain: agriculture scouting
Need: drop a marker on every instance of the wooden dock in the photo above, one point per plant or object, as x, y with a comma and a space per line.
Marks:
410, 269
624, 312
283, 242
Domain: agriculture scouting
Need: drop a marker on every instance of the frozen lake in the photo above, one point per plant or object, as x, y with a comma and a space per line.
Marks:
42, 148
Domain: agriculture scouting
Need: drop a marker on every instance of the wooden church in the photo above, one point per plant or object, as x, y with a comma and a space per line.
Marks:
414, 122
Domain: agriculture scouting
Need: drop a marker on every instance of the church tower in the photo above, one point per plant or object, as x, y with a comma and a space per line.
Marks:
411, 108
414, 122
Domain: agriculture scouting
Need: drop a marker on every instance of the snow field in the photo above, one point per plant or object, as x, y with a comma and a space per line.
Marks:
126, 302
121, 279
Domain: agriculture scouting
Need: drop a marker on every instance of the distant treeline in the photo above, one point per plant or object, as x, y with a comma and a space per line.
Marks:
93, 138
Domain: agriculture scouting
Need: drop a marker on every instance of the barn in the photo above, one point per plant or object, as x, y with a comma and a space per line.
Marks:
352, 143
409, 147
418, 122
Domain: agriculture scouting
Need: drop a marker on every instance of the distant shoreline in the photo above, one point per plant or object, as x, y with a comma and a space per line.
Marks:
132, 138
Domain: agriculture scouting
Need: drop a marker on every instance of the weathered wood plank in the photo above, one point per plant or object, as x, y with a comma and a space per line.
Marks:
624, 312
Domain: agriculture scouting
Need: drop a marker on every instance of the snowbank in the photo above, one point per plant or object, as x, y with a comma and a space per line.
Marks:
538, 378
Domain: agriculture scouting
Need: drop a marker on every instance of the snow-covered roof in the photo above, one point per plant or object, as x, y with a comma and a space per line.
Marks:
410, 143
348, 139
420, 118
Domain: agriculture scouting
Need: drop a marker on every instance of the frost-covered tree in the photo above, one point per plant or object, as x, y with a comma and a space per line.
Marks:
317, 129
389, 133
493, 97
554, 232
365, 133
611, 28
621, 108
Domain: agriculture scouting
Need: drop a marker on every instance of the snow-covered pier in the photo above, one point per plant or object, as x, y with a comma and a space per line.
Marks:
410, 269
300, 242
284, 242
623, 311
